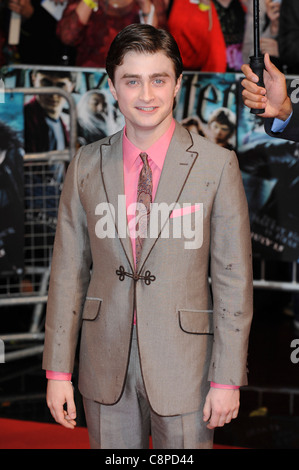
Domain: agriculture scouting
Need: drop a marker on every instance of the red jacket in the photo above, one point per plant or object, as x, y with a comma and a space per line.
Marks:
199, 36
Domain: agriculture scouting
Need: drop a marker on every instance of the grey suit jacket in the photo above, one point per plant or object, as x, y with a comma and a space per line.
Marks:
186, 335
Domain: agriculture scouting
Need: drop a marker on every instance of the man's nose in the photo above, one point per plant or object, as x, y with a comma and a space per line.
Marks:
146, 92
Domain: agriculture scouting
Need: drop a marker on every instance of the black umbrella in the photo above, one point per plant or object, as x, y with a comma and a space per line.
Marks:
257, 60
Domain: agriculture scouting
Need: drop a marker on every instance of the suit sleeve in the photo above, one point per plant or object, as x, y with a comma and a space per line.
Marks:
231, 276
291, 132
70, 274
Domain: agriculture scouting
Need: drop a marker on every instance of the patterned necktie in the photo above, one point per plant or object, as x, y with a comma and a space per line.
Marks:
144, 199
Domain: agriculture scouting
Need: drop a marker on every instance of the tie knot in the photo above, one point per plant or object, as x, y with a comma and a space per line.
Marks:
143, 157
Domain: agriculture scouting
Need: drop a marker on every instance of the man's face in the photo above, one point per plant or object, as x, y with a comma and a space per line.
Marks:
145, 86
52, 104
96, 104
219, 132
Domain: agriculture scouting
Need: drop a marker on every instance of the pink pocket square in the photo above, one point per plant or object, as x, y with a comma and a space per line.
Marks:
185, 210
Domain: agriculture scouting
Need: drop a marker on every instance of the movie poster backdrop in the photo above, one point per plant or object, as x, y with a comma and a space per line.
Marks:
11, 185
206, 103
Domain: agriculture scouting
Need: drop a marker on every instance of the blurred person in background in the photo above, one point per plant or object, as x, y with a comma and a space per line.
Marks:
38, 44
91, 25
221, 127
93, 116
197, 30
288, 37
45, 129
231, 14
269, 28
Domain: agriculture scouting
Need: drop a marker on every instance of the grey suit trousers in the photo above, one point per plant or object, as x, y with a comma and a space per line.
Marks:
129, 423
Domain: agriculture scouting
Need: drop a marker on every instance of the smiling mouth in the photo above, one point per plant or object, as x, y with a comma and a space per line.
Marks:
147, 108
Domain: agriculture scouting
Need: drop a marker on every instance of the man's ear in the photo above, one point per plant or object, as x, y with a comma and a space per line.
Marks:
178, 85
112, 89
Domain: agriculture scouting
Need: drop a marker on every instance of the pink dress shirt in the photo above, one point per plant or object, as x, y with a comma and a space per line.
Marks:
132, 166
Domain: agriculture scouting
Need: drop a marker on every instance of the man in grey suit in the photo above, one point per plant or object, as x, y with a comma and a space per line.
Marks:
161, 353
280, 111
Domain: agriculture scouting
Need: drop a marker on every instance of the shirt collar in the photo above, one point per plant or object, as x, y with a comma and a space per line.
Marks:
156, 152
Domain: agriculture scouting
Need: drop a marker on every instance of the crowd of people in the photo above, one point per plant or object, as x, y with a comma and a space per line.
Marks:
213, 35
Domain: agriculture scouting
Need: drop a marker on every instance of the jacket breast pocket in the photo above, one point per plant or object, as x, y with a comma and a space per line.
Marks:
198, 322
91, 308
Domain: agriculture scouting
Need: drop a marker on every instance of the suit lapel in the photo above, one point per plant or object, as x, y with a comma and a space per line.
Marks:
179, 159
113, 179
177, 166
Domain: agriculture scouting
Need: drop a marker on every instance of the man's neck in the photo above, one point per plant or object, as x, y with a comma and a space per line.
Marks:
145, 138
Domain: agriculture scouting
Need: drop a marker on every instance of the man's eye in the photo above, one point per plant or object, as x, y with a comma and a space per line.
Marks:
60, 84
45, 82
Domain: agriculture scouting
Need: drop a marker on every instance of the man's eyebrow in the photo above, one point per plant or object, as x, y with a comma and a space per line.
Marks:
153, 75
159, 74
130, 75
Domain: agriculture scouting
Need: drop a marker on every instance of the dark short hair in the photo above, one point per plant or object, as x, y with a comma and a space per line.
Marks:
225, 117
142, 38
56, 73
